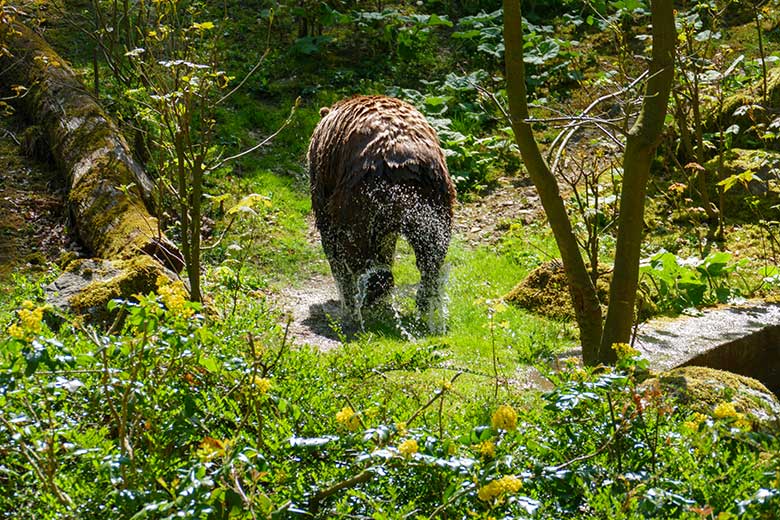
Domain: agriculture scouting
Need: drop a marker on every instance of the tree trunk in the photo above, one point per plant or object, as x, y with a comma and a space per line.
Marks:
583, 293
641, 144
640, 148
107, 188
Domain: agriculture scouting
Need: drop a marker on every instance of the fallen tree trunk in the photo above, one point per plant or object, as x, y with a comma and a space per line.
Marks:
108, 191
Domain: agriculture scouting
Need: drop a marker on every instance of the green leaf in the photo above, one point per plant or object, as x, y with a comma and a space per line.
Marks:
248, 203
308, 443
209, 364
466, 35
740, 178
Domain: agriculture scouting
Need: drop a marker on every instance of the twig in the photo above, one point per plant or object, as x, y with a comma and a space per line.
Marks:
260, 144
430, 401
34, 461
567, 133
494, 99
363, 476
581, 458
282, 348
241, 83
446, 504
221, 236
352, 406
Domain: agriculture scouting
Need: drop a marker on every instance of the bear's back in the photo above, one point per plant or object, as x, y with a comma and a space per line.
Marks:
374, 137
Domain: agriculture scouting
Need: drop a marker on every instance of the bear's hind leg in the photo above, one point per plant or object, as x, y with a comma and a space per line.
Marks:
428, 232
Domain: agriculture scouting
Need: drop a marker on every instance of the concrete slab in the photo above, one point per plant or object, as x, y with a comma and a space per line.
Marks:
744, 339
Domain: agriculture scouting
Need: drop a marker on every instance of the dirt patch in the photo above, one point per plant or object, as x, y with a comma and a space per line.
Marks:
312, 309
33, 218
484, 220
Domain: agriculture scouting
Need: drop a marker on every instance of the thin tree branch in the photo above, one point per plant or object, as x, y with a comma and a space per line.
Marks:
260, 144
241, 83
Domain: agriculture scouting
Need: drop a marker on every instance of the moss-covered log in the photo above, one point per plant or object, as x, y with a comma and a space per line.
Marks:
108, 190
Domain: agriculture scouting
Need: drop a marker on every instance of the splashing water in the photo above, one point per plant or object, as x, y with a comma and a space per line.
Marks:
435, 318
361, 296
396, 310
438, 312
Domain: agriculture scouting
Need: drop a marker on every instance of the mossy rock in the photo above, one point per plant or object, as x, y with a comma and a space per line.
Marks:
747, 110
703, 388
765, 165
765, 185
87, 285
545, 291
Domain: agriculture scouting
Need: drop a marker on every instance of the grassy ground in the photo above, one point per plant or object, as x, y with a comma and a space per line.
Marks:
213, 407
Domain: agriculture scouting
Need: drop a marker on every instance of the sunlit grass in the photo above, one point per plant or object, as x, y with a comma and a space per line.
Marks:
479, 325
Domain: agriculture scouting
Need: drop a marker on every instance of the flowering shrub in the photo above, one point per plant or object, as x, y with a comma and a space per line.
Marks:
505, 418
408, 448
495, 489
30, 322
347, 418
177, 416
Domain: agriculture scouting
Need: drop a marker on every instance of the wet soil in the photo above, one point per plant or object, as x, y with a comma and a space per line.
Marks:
33, 217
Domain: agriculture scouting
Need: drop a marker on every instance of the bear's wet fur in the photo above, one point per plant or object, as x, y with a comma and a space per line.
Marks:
377, 171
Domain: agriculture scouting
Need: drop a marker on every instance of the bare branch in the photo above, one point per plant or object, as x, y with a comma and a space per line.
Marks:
260, 144
241, 83
569, 132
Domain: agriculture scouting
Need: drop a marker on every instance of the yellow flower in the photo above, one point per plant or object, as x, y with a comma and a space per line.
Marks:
695, 420
348, 419
400, 427
579, 374
30, 322
496, 488
624, 350
15, 331
505, 418
408, 448
725, 411
728, 411
174, 297
487, 449
743, 423
263, 384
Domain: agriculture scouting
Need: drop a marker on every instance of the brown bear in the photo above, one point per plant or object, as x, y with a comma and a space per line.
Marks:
377, 171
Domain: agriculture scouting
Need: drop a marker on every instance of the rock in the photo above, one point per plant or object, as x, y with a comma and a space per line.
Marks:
745, 109
744, 339
702, 389
87, 285
765, 165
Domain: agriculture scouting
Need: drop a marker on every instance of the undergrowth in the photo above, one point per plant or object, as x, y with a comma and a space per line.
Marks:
178, 415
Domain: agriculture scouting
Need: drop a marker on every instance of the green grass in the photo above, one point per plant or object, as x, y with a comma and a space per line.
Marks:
480, 326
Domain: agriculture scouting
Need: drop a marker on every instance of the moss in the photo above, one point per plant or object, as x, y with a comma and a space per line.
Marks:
703, 388
738, 160
545, 291
119, 226
764, 164
94, 157
751, 95
133, 276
